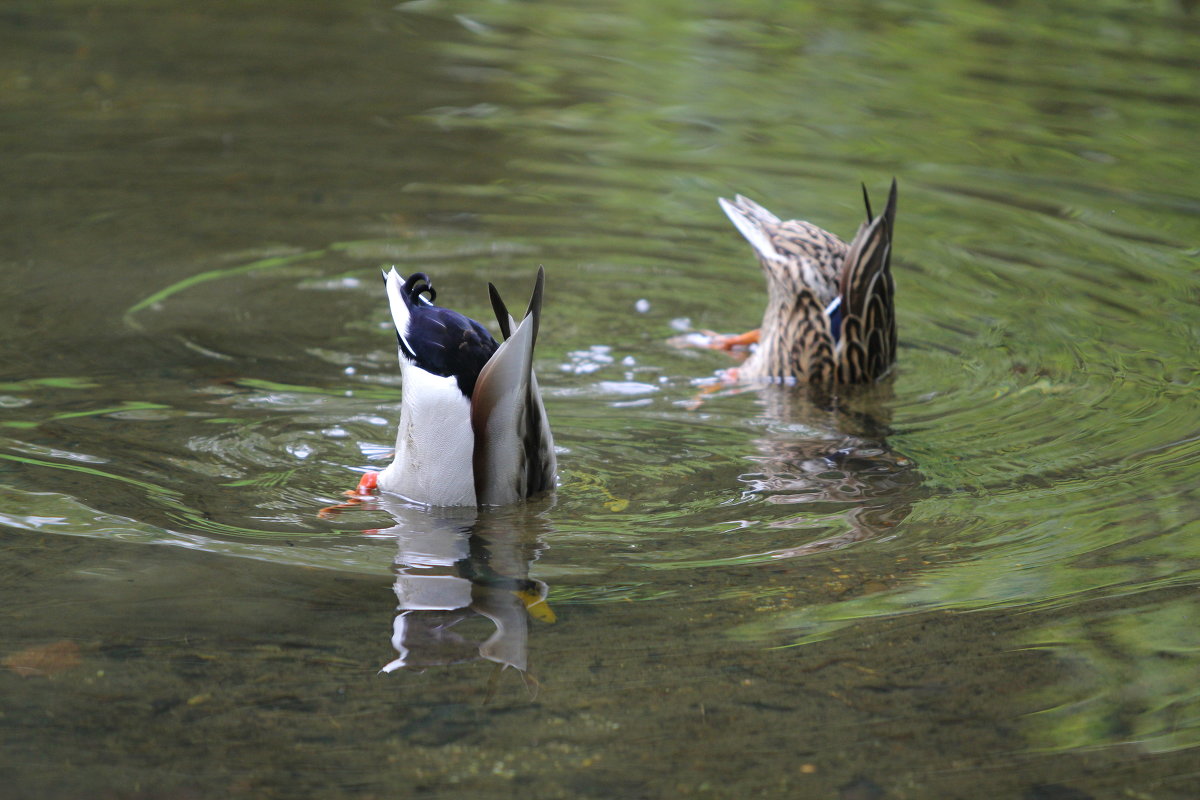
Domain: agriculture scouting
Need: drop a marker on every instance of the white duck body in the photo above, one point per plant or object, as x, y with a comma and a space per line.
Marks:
434, 444
473, 430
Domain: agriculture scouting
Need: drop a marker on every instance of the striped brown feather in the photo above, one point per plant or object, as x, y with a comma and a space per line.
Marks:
868, 345
810, 359
852, 356
807, 268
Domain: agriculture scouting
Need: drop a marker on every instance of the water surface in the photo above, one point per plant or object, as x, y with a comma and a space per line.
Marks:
975, 579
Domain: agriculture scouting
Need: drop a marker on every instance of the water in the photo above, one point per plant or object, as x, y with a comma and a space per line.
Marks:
976, 579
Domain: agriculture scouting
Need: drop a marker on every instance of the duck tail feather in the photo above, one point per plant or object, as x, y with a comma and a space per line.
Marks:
504, 319
754, 210
889, 212
750, 219
417, 285
534, 309
400, 308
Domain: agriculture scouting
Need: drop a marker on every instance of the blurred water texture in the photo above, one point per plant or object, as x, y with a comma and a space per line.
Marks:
977, 579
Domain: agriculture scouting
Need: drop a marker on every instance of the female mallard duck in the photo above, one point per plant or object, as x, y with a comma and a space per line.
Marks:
473, 429
830, 317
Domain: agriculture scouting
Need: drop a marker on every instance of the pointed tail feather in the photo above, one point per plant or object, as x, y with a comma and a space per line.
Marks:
394, 283
534, 309
503, 318
755, 211
750, 219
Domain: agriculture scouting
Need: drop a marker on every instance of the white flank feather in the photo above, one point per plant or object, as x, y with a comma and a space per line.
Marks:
435, 444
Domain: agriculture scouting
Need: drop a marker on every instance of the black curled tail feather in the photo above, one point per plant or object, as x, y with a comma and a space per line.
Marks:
418, 284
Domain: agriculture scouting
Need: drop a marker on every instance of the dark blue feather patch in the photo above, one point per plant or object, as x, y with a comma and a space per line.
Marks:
442, 341
834, 312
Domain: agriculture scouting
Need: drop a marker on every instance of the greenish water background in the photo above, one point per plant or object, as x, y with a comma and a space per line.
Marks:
977, 580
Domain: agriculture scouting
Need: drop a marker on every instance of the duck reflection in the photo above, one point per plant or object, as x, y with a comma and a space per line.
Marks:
830, 454
455, 565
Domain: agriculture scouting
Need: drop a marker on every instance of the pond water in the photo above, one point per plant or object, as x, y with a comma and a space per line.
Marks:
975, 580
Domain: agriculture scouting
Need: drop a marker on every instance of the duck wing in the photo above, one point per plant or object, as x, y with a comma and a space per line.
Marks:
514, 449
867, 341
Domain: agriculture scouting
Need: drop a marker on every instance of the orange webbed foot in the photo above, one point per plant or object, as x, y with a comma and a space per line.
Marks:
717, 341
367, 484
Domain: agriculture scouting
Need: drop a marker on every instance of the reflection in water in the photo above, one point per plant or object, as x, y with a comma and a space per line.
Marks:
831, 456
453, 565
1049, 385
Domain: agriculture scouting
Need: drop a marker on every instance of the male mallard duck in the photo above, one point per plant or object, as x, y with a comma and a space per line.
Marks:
830, 317
473, 429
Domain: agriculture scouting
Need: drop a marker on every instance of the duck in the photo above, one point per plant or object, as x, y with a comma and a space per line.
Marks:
473, 429
830, 317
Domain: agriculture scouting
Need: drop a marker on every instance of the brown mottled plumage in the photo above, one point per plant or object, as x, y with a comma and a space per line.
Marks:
830, 317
